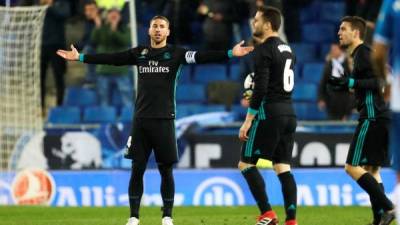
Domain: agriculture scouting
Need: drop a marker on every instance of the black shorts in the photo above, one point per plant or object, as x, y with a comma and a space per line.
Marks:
369, 145
152, 134
271, 139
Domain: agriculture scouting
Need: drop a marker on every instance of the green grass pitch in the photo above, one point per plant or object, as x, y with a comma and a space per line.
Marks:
182, 215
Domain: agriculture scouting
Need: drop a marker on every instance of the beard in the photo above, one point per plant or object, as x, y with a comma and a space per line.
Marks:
344, 46
257, 34
158, 40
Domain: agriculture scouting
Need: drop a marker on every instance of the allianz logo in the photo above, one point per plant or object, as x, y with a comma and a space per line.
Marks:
218, 191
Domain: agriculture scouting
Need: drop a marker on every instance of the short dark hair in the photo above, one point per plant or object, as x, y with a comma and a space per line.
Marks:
159, 17
272, 15
90, 2
356, 23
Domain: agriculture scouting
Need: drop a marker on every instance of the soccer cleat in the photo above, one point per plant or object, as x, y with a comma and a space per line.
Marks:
167, 221
268, 218
133, 221
387, 217
291, 222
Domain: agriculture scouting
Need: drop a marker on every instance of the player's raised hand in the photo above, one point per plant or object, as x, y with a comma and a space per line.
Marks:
240, 50
72, 55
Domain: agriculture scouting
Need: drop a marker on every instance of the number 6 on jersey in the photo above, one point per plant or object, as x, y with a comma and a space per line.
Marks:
288, 76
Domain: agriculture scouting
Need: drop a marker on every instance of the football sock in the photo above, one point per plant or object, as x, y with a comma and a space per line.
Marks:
136, 189
372, 187
257, 188
376, 210
167, 188
289, 191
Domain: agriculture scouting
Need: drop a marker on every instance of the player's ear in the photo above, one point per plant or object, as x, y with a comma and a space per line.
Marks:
168, 32
267, 26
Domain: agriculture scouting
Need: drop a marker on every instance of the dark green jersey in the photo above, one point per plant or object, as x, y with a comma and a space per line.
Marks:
368, 88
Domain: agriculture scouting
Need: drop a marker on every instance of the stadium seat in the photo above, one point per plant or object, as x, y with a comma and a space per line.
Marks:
332, 11
143, 37
306, 92
324, 50
100, 114
116, 99
184, 110
211, 72
309, 13
297, 72
318, 33
234, 73
239, 111
305, 52
185, 76
126, 114
191, 93
312, 72
64, 115
309, 111
82, 97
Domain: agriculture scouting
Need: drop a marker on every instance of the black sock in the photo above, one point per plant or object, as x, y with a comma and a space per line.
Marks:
167, 188
136, 189
257, 188
372, 187
289, 191
376, 210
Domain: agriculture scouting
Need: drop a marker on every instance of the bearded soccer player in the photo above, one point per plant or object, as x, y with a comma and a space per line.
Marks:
270, 124
387, 36
153, 127
369, 147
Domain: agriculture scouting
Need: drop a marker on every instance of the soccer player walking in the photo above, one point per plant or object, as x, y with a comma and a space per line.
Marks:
387, 35
153, 127
369, 147
270, 124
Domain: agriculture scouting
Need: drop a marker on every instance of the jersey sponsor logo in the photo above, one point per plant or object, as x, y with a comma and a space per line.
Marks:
33, 187
190, 57
218, 191
153, 67
284, 48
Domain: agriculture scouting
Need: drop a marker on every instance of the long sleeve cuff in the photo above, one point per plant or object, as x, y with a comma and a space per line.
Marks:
351, 82
230, 53
252, 111
81, 57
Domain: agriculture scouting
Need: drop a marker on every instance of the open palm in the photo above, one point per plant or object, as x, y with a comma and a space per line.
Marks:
240, 50
72, 55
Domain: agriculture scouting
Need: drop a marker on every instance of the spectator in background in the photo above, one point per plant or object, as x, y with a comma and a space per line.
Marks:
92, 17
217, 26
109, 37
180, 13
53, 38
338, 104
366, 9
291, 15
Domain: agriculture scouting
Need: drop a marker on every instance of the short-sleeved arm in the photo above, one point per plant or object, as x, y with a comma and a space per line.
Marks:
383, 32
128, 57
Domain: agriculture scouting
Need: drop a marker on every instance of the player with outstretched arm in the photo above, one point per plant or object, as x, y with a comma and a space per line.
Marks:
154, 126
